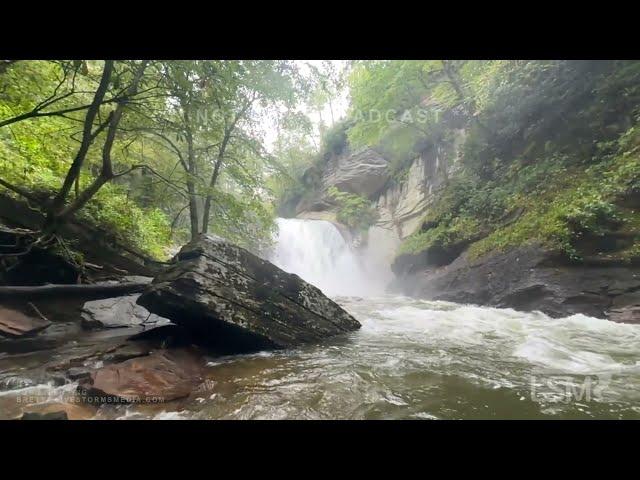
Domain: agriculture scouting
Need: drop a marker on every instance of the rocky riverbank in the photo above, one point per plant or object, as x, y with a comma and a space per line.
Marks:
529, 278
214, 299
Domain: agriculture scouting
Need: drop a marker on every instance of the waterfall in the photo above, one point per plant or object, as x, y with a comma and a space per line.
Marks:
316, 251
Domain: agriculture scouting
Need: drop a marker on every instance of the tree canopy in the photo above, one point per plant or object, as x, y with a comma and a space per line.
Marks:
156, 151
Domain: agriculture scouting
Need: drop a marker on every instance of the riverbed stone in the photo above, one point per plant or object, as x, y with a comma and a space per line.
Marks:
236, 301
630, 314
160, 377
15, 324
58, 411
58, 415
118, 312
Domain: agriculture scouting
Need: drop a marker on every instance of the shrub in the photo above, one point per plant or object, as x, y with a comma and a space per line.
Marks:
355, 211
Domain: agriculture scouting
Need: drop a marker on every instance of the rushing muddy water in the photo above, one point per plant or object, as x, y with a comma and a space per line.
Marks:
412, 359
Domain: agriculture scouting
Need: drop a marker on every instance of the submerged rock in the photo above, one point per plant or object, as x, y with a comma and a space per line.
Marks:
118, 312
58, 411
160, 377
16, 324
235, 301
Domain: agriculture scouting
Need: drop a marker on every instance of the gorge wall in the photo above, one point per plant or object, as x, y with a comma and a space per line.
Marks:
524, 193
528, 277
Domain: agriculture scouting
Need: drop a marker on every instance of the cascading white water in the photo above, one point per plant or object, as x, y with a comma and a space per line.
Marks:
316, 251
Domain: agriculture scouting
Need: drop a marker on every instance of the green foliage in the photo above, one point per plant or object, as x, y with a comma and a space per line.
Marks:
190, 137
555, 205
551, 148
449, 232
571, 207
355, 211
334, 140
112, 210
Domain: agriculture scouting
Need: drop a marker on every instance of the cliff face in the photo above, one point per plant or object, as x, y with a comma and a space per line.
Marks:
363, 172
535, 160
527, 278
400, 203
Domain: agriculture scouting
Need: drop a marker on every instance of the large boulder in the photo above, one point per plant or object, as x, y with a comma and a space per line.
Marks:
629, 314
161, 377
235, 301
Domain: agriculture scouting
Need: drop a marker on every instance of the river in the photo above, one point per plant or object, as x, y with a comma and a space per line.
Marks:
412, 359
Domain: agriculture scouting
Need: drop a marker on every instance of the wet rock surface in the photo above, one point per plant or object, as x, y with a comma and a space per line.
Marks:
59, 411
118, 312
14, 323
60, 415
528, 278
629, 314
157, 378
234, 301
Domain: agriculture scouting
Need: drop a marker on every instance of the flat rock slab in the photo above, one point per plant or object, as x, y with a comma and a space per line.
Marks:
158, 378
235, 301
118, 312
16, 324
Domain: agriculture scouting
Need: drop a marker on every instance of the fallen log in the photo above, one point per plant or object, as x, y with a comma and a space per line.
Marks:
89, 291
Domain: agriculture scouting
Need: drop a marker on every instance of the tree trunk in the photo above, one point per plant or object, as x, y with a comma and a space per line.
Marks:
207, 203
89, 291
214, 178
106, 172
191, 188
193, 209
88, 136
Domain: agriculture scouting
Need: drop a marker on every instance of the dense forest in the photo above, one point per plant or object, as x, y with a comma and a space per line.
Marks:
159, 151
154, 152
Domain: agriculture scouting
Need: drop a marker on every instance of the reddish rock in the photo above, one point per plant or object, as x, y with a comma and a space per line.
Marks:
158, 378
16, 324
